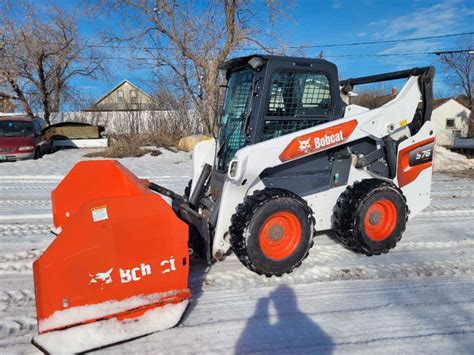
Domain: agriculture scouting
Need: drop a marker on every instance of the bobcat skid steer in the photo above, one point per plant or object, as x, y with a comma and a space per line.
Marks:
292, 158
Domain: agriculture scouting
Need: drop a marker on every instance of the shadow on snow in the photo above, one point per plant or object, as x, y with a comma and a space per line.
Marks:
284, 328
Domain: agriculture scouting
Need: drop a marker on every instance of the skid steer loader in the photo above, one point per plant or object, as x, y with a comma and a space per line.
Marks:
292, 157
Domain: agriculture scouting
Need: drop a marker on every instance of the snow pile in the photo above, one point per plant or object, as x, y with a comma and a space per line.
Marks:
98, 334
446, 160
80, 314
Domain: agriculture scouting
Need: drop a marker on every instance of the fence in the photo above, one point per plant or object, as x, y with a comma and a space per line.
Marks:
133, 122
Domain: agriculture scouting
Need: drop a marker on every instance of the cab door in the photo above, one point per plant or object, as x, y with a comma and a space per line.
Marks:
298, 96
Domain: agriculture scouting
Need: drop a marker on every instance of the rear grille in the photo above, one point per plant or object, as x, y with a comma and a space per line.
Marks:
6, 150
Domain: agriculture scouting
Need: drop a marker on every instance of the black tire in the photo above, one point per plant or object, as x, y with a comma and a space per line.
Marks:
257, 212
37, 154
367, 233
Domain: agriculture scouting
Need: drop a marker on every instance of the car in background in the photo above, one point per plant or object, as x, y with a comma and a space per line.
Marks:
21, 138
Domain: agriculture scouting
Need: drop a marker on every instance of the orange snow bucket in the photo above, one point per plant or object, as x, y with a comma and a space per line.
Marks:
121, 253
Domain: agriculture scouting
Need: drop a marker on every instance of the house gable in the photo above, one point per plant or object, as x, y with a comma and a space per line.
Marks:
450, 120
452, 105
125, 97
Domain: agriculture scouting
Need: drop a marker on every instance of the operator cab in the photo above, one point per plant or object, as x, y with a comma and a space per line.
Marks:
270, 96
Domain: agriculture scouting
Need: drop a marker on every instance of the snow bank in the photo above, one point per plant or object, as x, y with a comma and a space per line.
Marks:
446, 160
56, 166
98, 334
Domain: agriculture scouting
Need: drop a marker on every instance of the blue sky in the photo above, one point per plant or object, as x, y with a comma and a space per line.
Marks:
321, 22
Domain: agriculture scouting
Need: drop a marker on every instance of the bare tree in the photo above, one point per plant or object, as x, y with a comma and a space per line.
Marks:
460, 69
189, 40
373, 96
39, 54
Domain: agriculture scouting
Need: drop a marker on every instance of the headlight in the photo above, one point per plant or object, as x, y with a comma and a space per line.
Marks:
233, 169
26, 148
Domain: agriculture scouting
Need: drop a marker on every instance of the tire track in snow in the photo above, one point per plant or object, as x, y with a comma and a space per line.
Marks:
16, 326
27, 181
20, 256
26, 188
19, 262
329, 253
20, 230
402, 245
448, 207
311, 271
27, 185
445, 210
25, 203
461, 193
16, 267
18, 298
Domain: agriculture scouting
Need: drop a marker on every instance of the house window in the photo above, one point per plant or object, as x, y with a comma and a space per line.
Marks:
450, 123
133, 95
120, 95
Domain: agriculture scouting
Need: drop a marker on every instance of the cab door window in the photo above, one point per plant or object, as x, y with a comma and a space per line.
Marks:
297, 100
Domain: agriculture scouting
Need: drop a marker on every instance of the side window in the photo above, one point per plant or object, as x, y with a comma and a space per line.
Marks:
299, 94
37, 127
297, 101
316, 95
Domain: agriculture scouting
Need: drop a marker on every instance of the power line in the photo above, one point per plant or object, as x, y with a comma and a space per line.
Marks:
356, 55
384, 41
328, 45
469, 51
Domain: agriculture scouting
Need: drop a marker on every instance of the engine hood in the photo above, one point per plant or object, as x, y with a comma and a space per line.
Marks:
17, 141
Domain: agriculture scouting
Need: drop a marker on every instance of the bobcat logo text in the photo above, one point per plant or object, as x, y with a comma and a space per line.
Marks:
318, 140
133, 274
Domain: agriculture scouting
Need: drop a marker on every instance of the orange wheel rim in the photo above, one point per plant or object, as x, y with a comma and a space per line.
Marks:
380, 219
280, 235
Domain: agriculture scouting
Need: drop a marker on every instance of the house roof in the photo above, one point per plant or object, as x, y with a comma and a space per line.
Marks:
459, 99
463, 100
119, 85
438, 102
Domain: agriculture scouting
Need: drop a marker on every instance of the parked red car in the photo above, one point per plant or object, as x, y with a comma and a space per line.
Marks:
21, 138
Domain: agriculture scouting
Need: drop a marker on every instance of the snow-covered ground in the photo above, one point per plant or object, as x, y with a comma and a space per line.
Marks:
419, 298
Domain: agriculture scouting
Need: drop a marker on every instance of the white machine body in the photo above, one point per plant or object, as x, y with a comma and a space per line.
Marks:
390, 119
